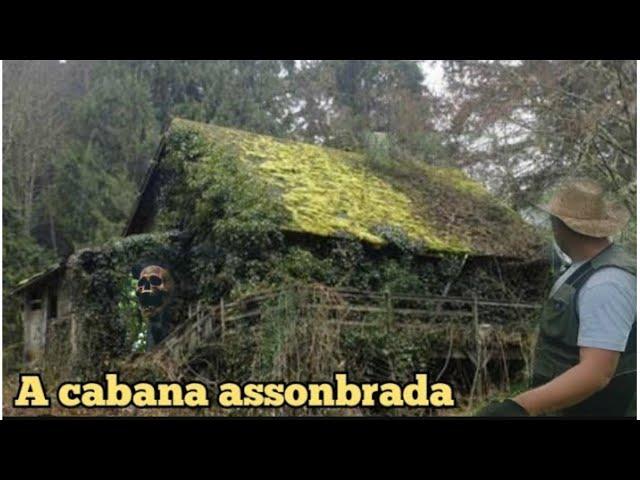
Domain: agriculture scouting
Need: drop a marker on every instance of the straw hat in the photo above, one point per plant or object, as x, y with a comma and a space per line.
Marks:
581, 205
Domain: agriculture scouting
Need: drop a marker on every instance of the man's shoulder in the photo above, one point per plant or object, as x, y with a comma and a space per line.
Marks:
607, 309
608, 284
611, 276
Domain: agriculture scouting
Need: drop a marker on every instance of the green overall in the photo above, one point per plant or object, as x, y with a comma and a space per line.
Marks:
557, 346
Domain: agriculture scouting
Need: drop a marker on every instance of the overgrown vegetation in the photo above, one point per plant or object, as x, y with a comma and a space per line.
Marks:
227, 255
223, 255
79, 135
303, 333
232, 244
257, 213
107, 322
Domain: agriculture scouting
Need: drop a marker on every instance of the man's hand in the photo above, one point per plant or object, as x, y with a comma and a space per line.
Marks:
506, 408
596, 368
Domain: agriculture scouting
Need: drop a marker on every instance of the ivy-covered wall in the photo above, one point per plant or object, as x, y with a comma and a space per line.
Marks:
103, 323
233, 263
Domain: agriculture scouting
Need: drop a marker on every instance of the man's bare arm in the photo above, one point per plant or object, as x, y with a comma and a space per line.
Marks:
596, 368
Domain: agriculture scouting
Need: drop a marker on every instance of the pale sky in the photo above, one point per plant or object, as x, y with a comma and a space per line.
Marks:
434, 75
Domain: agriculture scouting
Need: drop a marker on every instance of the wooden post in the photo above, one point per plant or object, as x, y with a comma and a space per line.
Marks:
389, 309
478, 352
222, 317
476, 326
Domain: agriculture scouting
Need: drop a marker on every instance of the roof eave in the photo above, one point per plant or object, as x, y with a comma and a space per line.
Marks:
145, 184
37, 278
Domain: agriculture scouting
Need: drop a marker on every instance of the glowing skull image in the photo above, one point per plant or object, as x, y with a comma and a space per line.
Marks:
154, 291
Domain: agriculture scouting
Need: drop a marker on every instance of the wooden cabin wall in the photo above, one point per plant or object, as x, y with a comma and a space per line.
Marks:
47, 318
60, 348
34, 320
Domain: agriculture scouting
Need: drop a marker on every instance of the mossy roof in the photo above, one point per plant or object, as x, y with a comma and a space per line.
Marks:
329, 192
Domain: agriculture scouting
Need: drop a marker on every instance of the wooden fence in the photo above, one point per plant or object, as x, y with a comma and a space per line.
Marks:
353, 308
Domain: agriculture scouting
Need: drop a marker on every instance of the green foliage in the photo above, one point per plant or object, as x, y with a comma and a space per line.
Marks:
116, 120
90, 206
102, 288
380, 354
302, 265
525, 125
210, 191
383, 154
292, 344
251, 94
136, 327
21, 256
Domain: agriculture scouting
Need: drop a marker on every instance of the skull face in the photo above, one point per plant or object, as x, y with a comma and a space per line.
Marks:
154, 290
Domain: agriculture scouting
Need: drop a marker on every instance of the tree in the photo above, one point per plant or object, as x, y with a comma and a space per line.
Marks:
523, 125
33, 128
116, 120
90, 203
340, 103
248, 94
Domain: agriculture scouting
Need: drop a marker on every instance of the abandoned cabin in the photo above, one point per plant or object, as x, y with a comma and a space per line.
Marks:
320, 194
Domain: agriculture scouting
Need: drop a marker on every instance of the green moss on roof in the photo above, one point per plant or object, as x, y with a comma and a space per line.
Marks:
331, 192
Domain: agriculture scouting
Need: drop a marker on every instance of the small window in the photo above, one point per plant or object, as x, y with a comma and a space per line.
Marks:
34, 300
36, 304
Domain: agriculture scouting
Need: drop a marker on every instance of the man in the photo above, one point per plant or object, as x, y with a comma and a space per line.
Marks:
585, 357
